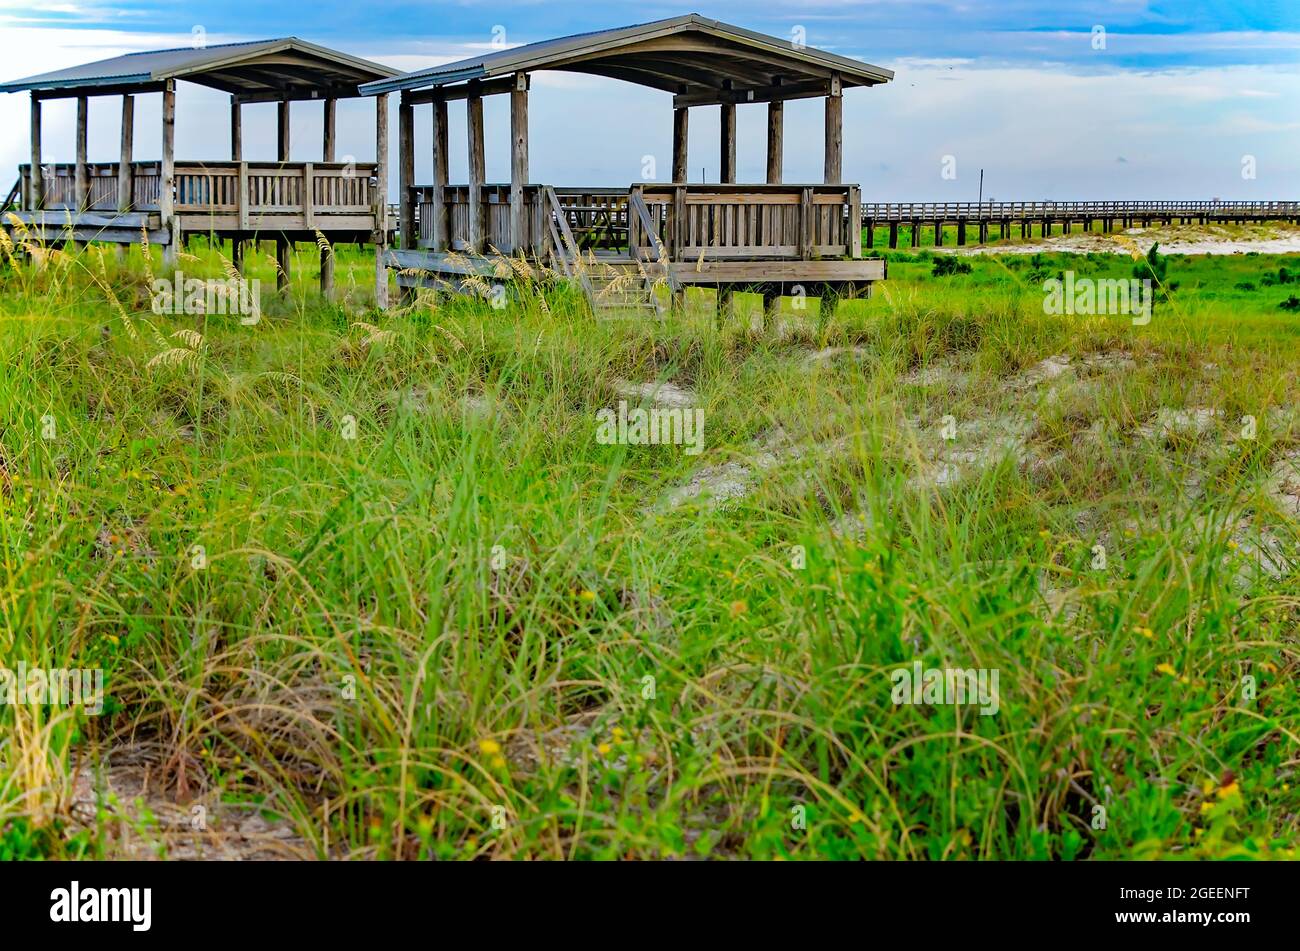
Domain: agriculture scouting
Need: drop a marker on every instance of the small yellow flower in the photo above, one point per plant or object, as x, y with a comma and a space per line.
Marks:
604, 749
618, 732
1045, 533
1207, 806
588, 595
112, 638
498, 762
738, 608
1229, 790
1232, 543
1146, 632
490, 747
1207, 787
1167, 669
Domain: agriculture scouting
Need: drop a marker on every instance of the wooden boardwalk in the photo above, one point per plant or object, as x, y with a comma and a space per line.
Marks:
1047, 216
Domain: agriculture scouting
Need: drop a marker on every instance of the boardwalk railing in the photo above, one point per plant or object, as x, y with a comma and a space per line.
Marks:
885, 212
753, 222
239, 194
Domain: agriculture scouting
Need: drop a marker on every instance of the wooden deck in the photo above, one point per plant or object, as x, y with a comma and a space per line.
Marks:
766, 238
228, 199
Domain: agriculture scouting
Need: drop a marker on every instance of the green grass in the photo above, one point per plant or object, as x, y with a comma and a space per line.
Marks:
391, 630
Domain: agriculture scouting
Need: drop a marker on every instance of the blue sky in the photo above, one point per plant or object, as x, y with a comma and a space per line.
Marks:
1183, 92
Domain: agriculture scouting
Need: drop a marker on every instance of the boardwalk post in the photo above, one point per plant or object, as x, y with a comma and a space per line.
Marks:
329, 135
167, 185
82, 200
727, 161
125, 179
681, 120
236, 131
35, 199
834, 132
775, 140
406, 170
518, 162
381, 201
474, 130
438, 202
283, 246
330, 129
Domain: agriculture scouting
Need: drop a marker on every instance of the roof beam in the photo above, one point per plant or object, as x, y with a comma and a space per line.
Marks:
780, 92
474, 87
122, 89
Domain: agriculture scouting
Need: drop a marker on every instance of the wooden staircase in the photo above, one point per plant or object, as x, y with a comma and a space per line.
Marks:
612, 291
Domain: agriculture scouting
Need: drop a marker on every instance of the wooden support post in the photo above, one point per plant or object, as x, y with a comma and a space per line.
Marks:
236, 130
518, 163
916, 233
35, 198
961, 231
854, 223
727, 161
167, 184
381, 201
82, 199
805, 224
775, 141
283, 262
474, 131
893, 234
439, 197
870, 230
834, 133
125, 179
330, 130
681, 123
406, 172
938, 235
282, 131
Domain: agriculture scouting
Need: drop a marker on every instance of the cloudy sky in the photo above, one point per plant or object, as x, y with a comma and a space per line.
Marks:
1181, 97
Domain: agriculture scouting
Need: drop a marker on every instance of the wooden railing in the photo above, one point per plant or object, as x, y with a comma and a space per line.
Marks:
314, 191
59, 186
646, 245
599, 217
492, 230
1078, 210
749, 222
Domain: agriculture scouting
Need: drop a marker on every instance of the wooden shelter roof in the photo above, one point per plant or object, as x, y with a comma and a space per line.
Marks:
261, 70
702, 61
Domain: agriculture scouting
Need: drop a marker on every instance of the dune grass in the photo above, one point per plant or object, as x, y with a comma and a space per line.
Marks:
374, 576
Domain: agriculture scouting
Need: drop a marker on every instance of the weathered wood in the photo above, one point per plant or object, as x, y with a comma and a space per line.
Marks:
727, 162
308, 193
681, 127
327, 273
439, 233
477, 172
775, 141
854, 223
283, 263
330, 131
236, 131
243, 196
167, 177
381, 200
805, 224
486, 87
518, 160
406, 171
125, 176
35, 199
834, 134
83, 172
282, 130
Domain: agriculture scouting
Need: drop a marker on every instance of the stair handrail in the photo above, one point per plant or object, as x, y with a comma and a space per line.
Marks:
636, 201
566, 248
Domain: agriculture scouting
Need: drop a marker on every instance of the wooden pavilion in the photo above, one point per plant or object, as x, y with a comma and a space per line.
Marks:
236, 199
765, 237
